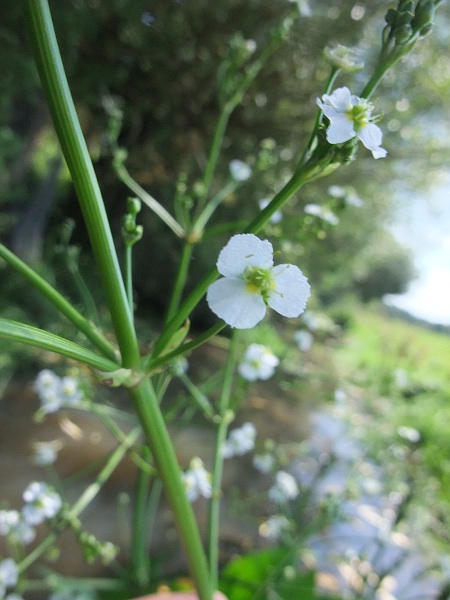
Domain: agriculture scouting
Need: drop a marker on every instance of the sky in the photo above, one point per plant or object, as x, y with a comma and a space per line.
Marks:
423, 225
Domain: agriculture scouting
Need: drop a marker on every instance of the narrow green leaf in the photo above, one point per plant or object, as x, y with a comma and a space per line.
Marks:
26, 334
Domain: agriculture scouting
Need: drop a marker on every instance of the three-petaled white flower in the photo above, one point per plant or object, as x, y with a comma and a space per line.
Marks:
258, 363
250, 283
350, 116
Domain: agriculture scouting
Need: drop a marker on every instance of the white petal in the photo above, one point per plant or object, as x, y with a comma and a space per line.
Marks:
292, 291
242, 250
371, 137
230, 300
341, 99
340, 130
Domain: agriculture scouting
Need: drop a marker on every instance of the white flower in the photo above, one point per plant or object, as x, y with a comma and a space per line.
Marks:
9, 574
13, 525
409, 433
240, 171
240, 441
323, 213
340, 396
304, 340
264, 463
41, 503
285, 488
258, 363
197, 480
350, 116
14, 597
250, 282
277, 215
46, 453
274, 527
55, 391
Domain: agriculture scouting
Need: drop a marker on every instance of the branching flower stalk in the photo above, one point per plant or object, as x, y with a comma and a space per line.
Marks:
68, 129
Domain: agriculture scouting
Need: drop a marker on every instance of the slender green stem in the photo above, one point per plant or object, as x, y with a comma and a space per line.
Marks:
139, 558
60, 303
54, 82
180, 282
211, 207
32, 336
129, 274
148, 199
86, 497
222, 122
153, 424
75, 151
199, 398
214, 152
319, 117
217, 470
142, 516
113, 461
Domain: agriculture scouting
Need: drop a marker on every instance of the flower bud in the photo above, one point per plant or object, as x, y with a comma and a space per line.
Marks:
342, 57
134, 206
403, 33
423, 17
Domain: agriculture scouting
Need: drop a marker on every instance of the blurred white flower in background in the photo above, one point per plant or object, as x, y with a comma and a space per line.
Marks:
240, 171
304, 339
322, 212
273, 528
284, 489
9, 575
55, 392
41, 502
258, 363
240, 441
277, 215
197, 480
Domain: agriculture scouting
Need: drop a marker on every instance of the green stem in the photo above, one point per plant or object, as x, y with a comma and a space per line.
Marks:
319, 117
214, 152
77, 157
224, 117
148, 200
54, 81
139, 557
154, 427
60, 303
86, 497
129, 274
217, 469
199, 398
26, 334
211, 207
180, 282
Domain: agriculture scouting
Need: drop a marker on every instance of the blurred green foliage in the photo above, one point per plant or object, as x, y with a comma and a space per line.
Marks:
162, 66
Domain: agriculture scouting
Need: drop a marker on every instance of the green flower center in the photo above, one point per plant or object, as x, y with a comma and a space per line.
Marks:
259, 281
359, 114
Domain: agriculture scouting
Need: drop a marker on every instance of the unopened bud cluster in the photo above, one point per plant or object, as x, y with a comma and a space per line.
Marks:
409, 21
